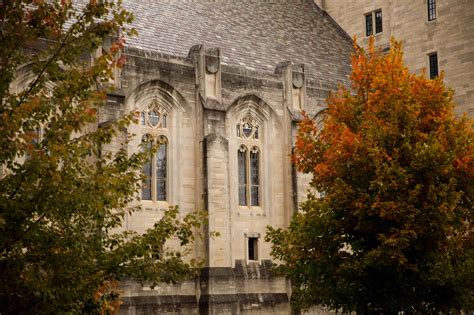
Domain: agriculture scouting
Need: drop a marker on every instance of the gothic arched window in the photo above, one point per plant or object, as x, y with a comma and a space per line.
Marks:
248, 162
153, 122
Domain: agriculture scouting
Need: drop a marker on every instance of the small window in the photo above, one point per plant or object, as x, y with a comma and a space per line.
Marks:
433, 65
378, 22
253, 248
431, 10
368, 25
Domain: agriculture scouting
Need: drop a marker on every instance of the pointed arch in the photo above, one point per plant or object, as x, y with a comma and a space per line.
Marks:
161, 109
253, 104
156, 91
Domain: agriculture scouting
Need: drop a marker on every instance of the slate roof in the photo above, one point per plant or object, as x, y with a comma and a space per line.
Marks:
256, 34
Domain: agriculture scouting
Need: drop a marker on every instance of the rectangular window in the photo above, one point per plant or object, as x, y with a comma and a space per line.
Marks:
253, 248
378, 22
431, 10
368, 25
433, 65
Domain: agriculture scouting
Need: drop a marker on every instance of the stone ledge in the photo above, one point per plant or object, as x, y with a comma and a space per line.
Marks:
153, 300
249, 298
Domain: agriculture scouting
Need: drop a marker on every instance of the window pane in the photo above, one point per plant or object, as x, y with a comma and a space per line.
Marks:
161, 172
164, 121
433, 66
254, 177
368, 24
146, 184
378, 22
431, 10
241, 160
153, 118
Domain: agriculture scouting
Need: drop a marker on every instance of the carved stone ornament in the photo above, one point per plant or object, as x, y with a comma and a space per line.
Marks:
298, 79
248, 128
212, 63
154, 116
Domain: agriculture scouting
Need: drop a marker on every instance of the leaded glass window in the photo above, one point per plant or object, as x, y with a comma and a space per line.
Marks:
147, 169
248, 161
242, 169
161, 172
154, 123
153, 118
255, 176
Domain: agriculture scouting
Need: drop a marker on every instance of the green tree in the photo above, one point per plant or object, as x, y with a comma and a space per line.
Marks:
62, 202
393, 231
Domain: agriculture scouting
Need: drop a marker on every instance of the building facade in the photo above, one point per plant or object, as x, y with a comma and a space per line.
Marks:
436, 36
220, 86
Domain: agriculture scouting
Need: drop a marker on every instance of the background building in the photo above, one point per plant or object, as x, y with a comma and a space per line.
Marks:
437, 35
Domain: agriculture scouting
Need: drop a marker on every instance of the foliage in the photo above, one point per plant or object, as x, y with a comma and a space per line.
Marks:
393, 231
62, 202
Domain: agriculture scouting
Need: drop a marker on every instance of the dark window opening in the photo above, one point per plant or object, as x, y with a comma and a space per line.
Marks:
368, 25
431, 10
254, 177
147, 172
161, 172
154, 171
378, 22
253, 248
433, 66
242, 169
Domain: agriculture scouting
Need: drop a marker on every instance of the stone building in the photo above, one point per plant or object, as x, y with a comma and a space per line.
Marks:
437, 35
220, 85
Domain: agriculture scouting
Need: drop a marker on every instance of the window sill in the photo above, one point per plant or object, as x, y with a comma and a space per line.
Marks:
374, 35
251, 211
253, 262
153, 205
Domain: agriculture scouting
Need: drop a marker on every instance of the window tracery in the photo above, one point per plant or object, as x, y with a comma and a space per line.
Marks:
154, 116
247, 128
248, 131
154, 125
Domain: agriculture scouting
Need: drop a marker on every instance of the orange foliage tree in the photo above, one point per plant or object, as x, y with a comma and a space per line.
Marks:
393, 231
